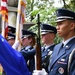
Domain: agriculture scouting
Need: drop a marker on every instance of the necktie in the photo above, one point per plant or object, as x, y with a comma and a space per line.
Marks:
44, 49
61, 48
62, 45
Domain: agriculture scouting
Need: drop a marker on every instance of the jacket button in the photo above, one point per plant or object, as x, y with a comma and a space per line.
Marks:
51, 70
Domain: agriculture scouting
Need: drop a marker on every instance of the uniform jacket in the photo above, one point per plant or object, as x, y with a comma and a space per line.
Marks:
71, 63
46, 54
59, 61
28, 54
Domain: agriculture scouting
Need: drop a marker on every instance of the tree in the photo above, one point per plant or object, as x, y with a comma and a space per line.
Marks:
47, 12
45, 9
72, 5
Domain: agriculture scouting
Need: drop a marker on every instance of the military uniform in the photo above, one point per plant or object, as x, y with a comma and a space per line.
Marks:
59, 62
71, 63
46, 55
47, 49
60, 56
28, 54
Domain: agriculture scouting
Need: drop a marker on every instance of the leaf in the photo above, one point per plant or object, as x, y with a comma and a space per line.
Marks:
33, 13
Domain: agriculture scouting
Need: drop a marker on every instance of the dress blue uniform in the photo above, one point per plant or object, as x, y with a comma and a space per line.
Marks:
59, 62
71, 64
46, 55
28, 52
29, 55
47, 50
60, 56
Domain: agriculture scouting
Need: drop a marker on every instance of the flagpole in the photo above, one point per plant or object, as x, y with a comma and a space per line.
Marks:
20, 21
4, 24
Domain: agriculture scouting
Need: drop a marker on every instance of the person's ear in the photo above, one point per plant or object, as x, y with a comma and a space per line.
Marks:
72, 26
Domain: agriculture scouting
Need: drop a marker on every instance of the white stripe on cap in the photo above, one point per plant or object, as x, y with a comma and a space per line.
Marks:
25, 36
44, 33
47, 31
60, 20
67, 17
10, 37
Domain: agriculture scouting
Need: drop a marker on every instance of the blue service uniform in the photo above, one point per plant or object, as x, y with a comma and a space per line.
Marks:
46, 55
28, 54
59, 61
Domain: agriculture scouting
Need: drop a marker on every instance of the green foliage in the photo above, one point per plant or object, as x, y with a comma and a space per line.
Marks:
47, 12
57, 39
0, 73
33, 13
72, 5
34, 29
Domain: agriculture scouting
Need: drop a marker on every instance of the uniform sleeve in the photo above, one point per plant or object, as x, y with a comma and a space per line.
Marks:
72, 64
72, 68
11, 60
28, 54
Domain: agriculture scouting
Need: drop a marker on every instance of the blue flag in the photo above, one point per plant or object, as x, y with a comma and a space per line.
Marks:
12, 60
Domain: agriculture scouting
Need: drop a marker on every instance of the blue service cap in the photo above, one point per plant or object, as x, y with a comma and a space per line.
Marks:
64, 14
10, 36
27, 33
11, 29
45, 28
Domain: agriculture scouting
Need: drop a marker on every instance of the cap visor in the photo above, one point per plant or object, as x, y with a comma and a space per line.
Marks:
44, 33
59, 20
25, 36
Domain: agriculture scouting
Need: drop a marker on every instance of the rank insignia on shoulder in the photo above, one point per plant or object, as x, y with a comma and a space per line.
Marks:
62, 59
50, 53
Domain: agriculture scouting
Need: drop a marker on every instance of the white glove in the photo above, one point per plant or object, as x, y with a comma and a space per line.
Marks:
15, 45
40, 72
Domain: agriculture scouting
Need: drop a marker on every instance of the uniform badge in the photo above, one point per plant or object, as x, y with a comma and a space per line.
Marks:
50, 53
45, 56
62, 59
61, 70
29, 50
